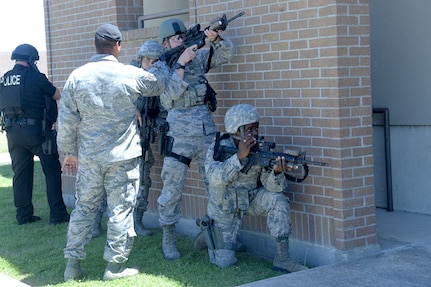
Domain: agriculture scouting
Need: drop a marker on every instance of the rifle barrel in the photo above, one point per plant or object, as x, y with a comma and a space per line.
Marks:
236, 16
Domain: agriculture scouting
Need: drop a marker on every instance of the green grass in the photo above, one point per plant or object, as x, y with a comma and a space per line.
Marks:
33, 253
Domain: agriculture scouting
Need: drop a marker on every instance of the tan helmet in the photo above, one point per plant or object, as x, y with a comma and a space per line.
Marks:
240, 115
170, 28
151, 49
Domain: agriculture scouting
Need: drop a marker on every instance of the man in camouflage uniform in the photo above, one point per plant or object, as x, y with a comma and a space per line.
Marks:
98, 127
233, 193
148, 54
191, 125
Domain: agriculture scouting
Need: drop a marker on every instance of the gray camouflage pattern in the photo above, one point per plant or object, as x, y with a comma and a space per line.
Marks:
190, 124
119, 182
151, 49
97, 107
233, 194
97, 118
240, 115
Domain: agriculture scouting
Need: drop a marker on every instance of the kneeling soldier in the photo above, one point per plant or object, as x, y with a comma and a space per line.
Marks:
233, 193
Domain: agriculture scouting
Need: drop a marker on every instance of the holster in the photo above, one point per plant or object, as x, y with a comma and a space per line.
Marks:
49, 146
169, 144
210, 99
163, 138
206, 225
213, 234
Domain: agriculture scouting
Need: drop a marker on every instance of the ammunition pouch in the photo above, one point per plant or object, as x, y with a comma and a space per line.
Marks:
193, 96
213, 234
49, 146
169, 143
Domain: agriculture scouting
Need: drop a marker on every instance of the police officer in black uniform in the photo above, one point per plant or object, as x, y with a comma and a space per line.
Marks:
29, 110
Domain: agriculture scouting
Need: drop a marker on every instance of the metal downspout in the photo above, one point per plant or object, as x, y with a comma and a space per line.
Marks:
386, 125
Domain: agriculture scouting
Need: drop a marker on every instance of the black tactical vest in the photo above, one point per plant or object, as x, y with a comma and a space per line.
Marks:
11, 93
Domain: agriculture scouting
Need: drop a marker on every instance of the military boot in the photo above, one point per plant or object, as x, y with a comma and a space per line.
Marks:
282, 261
73, 270
169, 243
139, 226
118, 270
97, 225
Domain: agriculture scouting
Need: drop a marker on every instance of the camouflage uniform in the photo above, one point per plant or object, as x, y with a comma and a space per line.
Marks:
233, 193
153, 50
97, 111
190, 124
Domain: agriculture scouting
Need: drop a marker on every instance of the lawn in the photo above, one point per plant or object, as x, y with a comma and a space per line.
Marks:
33, 253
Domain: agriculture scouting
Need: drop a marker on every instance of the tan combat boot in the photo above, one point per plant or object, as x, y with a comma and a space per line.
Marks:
73, 270
117, 270
169, 243
282, 261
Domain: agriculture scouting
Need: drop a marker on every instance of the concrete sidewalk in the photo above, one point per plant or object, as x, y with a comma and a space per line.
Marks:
404, 260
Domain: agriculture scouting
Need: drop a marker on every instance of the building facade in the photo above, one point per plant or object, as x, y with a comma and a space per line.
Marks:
306, 66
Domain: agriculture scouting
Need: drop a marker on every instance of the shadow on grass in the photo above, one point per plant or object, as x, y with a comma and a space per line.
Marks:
33, 253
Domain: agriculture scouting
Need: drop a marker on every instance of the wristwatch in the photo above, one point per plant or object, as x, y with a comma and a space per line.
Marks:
179, 66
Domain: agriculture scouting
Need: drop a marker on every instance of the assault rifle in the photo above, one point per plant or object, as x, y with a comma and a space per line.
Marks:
149, 110
194, 35
263, 156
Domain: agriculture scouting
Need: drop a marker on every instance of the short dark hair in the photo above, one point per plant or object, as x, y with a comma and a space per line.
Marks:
104, 46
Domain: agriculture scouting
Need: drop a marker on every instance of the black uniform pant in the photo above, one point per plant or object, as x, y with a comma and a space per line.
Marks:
24, 142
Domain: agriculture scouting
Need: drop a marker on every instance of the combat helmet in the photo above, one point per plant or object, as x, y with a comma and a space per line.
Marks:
151, 49
25, 52
170, 28
240, 115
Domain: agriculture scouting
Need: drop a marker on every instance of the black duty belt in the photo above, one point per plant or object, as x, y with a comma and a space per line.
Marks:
24, 122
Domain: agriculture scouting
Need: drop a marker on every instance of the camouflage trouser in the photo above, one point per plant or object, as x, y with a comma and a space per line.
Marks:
274, 205
144, 186
118, 182
174, 175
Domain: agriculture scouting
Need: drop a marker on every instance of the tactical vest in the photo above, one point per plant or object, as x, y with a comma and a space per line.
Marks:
195, 93
11, 93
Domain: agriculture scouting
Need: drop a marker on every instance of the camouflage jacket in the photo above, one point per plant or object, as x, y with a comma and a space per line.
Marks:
231, 189
187, 113
97, 109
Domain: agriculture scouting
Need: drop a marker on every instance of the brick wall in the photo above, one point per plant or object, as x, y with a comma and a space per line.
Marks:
306, 66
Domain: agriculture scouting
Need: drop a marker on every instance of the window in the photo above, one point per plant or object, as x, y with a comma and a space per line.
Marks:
155, 12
